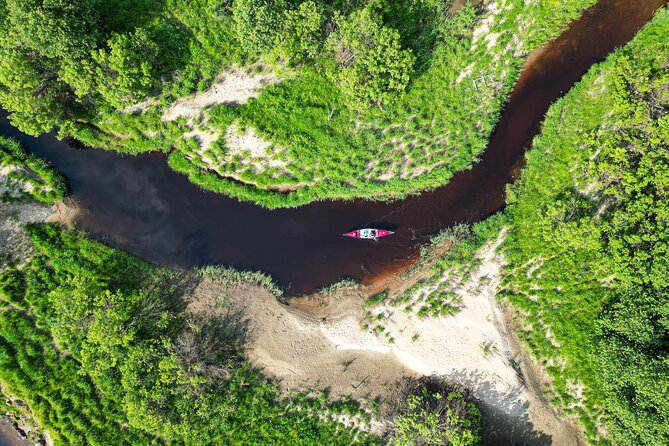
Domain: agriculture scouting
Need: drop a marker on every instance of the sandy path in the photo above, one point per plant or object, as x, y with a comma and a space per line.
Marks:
15, 243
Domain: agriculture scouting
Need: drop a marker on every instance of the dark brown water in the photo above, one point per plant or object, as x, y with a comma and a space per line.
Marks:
140, 205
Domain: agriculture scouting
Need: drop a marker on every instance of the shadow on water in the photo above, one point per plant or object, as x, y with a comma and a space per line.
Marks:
140, 205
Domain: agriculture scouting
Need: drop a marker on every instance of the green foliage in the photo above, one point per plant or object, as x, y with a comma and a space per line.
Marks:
127, 70
376, 299
231, 276
302, 34
29, 175
257, 23
66, 403
105, 354
54, 28
32, 100
77, 66
371, 65
588, 244
428, 412
13, 287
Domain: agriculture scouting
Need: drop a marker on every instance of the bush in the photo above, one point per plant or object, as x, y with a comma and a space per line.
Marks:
427, 411
257, 23
371, 66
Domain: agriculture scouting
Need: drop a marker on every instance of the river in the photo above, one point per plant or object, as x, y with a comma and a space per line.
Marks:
138, 204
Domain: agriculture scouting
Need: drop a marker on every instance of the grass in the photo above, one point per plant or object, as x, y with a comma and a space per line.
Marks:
451, 256
231, 276
376, 299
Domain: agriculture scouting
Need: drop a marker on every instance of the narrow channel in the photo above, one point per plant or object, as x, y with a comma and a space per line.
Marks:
140, 205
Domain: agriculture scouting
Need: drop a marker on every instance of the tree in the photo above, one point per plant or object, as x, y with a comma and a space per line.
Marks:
426, 412
634, 367
371, 65
257, 23
302, 35
54, 28
126, 71
29, 91
38, 35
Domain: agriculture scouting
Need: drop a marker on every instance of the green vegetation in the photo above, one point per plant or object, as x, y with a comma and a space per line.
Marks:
438, 279
354, 115
371, 66
376, 299
231, 276
24, 175
588, 242
429, 412
451, 255
97, 344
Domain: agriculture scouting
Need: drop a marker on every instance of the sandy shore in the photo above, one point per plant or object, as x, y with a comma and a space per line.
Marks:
318, 342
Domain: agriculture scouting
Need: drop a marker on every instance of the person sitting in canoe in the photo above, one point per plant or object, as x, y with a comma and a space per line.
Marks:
368, 233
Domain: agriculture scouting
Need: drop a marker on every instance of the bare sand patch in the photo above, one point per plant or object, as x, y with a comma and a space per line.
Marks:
252, 148
204, 138
11, 184
318, 341
289, 344
235, 86
140, 107
485, 24
465, 72
15, 243
64, 213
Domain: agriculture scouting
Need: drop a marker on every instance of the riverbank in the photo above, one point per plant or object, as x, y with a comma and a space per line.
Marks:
9, 436
587, 244
319, 341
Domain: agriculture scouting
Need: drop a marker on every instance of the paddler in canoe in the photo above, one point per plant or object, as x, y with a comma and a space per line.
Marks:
368, 233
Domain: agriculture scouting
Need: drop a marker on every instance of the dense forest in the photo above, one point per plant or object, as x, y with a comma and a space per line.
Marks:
349, 109
588, 243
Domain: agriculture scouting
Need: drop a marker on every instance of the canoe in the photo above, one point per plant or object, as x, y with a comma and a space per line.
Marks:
368, 233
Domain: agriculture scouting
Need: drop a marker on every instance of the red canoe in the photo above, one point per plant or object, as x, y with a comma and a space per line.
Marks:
369, 233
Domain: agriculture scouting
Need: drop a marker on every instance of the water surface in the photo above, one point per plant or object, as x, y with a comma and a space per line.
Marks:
140, 205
